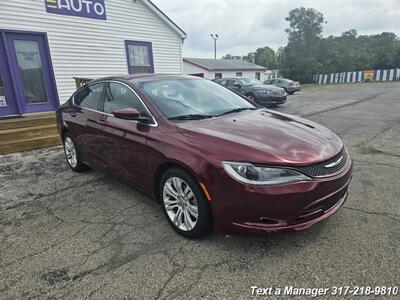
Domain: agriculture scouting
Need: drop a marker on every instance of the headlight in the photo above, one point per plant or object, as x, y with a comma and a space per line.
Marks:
251, 174
268, 92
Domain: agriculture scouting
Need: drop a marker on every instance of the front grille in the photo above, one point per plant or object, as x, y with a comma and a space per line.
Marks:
323, 206
320, 169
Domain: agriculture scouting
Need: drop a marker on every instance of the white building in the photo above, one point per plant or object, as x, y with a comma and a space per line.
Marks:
222, 68
45, 43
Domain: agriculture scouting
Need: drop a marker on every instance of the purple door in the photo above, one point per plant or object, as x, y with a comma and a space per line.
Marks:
8, 104
30, 72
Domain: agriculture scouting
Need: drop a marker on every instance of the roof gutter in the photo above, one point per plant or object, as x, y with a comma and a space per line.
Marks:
158, 12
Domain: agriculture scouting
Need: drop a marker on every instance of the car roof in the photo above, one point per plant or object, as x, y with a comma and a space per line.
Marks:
134, 78
229, 78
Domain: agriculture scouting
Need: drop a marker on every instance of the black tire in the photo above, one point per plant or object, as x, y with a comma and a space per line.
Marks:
203, 224
79, 166
251, 97
291, 93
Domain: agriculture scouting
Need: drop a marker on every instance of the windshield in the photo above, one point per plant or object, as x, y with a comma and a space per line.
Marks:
192, 97
249, 81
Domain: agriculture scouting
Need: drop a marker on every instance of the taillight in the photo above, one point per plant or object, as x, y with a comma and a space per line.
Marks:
291, 84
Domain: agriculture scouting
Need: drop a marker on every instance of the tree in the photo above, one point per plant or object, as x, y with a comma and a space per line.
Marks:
299, 59
227, 56
305, 25
265, 57
308, 53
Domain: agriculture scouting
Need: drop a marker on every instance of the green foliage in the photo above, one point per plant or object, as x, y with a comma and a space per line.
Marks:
307, 53
299, 59
264, 56
305, 25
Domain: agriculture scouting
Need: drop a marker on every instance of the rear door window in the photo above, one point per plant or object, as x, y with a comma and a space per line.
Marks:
232, 82
222, 82
89, 96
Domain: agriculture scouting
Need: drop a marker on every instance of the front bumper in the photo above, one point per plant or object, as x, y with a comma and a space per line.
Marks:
255, 209
270, 100
293, 89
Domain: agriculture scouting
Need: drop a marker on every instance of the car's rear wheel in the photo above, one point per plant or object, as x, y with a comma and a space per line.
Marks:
72, 155
184, 204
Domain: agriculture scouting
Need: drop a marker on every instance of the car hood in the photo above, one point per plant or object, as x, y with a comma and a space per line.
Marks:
265, 87
261, 137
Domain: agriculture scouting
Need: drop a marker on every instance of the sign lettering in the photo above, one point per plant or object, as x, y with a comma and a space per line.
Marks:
92, 9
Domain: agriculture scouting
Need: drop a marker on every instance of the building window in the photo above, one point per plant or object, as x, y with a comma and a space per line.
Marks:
258, 75
239, 74
139, 56
218, 75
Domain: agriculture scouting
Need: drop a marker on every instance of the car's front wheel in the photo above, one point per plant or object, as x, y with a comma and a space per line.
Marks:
72, 155
184, 204
251, 97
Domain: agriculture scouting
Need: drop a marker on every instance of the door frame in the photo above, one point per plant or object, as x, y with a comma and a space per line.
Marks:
13, 76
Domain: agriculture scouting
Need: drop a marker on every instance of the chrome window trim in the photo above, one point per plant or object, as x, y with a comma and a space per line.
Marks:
154, 124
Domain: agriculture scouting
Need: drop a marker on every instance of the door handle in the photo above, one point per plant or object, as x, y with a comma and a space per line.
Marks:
73, 114
102, 122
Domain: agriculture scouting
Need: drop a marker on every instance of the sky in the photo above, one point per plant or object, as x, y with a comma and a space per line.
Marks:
245, 25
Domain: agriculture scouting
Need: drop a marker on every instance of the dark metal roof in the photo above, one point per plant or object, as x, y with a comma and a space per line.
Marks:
224, 64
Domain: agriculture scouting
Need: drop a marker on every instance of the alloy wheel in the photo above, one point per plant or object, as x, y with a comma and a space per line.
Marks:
180, 203
70, 152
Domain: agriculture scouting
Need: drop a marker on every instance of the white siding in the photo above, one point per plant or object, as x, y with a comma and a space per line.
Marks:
189, 68
248, 74
82, 47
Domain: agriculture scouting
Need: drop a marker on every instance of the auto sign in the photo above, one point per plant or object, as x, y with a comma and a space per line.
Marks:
92, 9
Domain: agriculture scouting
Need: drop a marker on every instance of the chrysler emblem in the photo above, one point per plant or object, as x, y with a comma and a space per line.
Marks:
334, 164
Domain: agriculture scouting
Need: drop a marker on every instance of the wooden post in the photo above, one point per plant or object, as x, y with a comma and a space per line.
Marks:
79, 82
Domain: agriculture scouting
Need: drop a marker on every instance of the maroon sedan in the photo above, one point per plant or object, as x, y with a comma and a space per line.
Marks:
212, 158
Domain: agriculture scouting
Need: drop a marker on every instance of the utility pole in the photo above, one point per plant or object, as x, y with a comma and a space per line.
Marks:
215, 38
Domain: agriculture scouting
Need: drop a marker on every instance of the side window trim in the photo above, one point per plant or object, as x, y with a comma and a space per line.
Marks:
154, 121
103, 96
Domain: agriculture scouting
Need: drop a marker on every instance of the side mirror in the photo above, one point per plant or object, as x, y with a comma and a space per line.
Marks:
237, 85
130, 114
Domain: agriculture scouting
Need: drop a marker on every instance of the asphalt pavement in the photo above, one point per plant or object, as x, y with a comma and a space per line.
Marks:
70, 236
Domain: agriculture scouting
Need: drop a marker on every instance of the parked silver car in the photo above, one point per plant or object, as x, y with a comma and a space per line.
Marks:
289, 85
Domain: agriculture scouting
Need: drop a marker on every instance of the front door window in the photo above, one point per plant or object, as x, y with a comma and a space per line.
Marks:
30, 66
